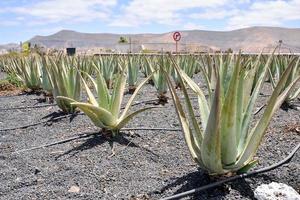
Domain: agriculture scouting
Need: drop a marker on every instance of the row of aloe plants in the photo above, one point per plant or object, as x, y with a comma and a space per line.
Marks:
34, 70
222, 141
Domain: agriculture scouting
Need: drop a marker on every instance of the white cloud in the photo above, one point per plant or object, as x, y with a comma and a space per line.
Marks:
67, 10
187, 14
270, 13
243, 1
166, 12
210, 14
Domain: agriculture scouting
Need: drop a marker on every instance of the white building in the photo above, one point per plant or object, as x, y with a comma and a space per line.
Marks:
3, 51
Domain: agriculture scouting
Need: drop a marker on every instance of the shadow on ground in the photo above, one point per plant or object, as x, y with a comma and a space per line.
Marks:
200, 178
99, 139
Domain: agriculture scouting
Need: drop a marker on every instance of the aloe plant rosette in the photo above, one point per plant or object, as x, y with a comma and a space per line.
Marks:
133, 70
105, 111
225, 142
281, 63
66, 82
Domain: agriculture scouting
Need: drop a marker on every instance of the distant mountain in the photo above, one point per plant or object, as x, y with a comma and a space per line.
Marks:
252, 39
10, 46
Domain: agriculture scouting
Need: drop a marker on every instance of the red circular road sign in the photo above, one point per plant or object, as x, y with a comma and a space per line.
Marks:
176, 36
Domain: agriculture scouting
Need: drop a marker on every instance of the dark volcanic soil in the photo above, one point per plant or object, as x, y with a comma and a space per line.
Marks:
146, 164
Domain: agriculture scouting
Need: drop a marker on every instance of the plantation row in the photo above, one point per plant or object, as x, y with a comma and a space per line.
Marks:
221, 141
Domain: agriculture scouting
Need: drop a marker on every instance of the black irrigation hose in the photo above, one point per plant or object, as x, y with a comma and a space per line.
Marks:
85, 135
54, 104
27, 107
151, 100
265, 95
65, 116
259, 109
46, 121
48, 105
57, 118
141, 102
240, 176
150, 129
22, 94
38, 123
22, 127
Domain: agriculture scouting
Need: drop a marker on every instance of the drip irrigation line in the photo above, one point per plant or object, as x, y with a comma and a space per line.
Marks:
141, 102
3, 97
48, 105
22, 127
65, 116
151, 100
233, 178
150, 129
264, 95
259, 109
62, 117
38, 123
51, 120
85, 135
27, 107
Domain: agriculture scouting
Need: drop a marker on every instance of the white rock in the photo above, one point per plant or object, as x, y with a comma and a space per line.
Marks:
74, 189
275, 191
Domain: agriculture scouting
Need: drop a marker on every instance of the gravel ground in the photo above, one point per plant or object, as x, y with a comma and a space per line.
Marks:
145, 164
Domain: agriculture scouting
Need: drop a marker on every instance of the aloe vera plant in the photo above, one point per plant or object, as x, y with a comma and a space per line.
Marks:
104, 112
108, 66
65, 79
85, 64
133, 70
157, 67
188, 64
9, 65
144, 67
276, 71
28, 70
47, 84
225, 141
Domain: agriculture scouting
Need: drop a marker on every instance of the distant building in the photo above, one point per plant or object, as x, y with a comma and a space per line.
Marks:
71, 51
90, 51
3, 51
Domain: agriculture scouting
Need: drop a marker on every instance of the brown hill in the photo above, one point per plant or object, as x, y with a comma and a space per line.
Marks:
254, 39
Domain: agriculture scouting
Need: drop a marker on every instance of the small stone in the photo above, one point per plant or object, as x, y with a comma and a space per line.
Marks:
74, 189
275, 191
37, 170
139, 197
19, 179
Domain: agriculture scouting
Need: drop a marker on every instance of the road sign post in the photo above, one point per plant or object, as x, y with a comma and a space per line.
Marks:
176, 38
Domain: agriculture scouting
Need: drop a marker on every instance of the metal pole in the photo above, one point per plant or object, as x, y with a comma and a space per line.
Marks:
279, 48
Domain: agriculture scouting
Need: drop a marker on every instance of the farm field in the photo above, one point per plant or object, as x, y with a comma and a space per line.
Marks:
128, 163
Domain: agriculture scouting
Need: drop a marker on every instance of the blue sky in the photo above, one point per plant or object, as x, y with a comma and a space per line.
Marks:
22, 19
